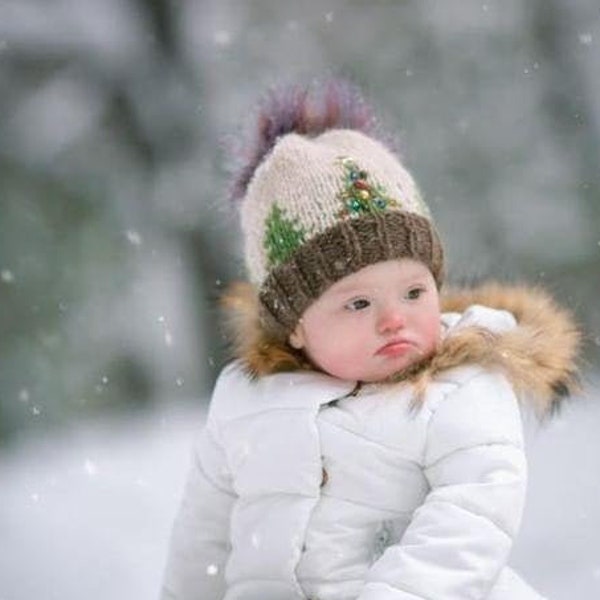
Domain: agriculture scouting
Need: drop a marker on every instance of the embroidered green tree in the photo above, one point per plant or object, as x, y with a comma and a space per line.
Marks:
282, 236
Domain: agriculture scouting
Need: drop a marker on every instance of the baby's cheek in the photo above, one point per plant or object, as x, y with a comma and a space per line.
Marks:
333, 358
330, 360
347, 363
433, 335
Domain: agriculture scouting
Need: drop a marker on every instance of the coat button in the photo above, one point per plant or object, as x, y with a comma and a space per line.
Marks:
324, 477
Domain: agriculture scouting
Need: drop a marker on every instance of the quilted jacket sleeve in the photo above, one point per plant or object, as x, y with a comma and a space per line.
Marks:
199, 542
460, 537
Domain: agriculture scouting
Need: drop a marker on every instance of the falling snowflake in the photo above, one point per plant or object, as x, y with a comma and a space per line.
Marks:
7, 276
133, 237
90, 467
222, 38
168, 338
585, 39
212, 570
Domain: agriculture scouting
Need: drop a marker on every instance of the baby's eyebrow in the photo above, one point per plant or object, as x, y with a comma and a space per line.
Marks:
344, 294
347, 292
366, 289
355, 290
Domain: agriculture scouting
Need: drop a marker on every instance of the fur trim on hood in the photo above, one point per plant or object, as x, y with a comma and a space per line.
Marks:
539, 355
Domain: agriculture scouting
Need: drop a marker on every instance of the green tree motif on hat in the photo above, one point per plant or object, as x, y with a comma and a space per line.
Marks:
283, 236
359, 194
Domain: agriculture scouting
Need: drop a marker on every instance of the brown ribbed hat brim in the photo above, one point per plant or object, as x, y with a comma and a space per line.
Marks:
342, 250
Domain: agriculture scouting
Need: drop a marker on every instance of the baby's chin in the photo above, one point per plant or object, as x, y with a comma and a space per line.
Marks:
396, 372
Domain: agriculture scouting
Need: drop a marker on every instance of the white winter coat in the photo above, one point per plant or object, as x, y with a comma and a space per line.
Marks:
304, 486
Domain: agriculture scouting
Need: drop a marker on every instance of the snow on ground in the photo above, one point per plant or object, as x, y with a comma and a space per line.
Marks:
86, 513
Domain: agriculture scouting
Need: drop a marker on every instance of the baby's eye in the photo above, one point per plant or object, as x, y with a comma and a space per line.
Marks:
358, 304
415, 293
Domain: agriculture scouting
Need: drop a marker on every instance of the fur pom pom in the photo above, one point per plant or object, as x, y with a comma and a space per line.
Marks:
305, 109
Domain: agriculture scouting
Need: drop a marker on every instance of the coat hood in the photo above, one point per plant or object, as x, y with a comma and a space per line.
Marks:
539, 355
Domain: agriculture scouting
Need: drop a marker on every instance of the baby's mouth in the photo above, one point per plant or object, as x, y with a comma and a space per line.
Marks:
395, 348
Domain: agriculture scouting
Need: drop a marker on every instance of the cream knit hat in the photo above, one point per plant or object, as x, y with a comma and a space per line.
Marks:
321, 205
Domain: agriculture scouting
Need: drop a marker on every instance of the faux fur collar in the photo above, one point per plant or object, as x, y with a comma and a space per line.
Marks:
539, 355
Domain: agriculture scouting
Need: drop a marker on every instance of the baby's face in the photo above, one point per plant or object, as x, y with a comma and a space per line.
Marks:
373, 323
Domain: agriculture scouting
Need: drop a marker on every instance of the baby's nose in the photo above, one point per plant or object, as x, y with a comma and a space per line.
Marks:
391, 318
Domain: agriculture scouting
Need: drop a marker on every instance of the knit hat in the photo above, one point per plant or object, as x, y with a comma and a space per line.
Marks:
323, 201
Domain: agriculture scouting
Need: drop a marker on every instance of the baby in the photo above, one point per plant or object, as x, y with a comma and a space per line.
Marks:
367, 442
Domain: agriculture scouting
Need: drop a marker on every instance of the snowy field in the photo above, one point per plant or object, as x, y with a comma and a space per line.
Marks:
86, 514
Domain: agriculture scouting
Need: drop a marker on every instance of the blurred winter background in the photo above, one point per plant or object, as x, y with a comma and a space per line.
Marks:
116, 238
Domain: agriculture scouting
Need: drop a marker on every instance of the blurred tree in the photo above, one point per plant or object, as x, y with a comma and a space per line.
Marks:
93, 118
567, 106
